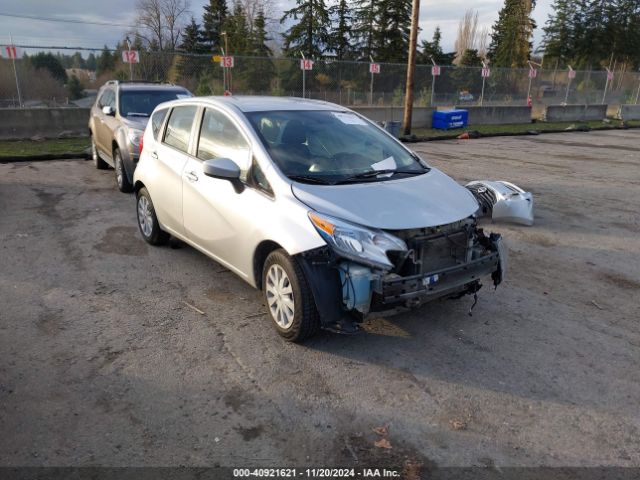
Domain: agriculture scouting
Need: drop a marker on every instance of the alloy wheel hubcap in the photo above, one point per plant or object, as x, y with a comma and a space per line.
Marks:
280, 296
144, 216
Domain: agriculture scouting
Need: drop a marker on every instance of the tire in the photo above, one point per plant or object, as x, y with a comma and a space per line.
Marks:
124, 185
97, 161
148, 221
292, 289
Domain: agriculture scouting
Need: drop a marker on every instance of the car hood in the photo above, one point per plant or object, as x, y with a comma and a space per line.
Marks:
425, 200
139, 123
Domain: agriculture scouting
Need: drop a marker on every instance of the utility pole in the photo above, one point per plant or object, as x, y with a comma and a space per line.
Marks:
411, 67
130, 63
15, 71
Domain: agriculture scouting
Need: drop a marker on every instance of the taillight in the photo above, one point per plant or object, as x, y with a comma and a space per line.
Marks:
141, 144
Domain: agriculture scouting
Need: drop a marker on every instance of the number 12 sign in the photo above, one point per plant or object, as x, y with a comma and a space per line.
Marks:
130, 56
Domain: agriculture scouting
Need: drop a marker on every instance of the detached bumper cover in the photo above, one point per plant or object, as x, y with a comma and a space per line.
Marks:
503, 201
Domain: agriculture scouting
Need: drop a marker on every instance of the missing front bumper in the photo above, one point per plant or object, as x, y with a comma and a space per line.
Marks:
438, 283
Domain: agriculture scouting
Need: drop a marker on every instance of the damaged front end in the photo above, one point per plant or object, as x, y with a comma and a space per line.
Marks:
363, 271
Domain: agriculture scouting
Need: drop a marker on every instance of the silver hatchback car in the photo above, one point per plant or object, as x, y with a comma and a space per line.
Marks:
330, 216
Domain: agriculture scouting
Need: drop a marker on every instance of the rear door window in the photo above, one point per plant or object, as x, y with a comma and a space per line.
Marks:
179, 127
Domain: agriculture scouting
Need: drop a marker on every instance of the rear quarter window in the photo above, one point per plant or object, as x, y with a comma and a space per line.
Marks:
157, 120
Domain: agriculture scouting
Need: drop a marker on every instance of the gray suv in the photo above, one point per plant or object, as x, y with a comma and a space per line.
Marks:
117, 122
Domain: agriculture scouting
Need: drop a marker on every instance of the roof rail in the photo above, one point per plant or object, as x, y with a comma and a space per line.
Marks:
118, 82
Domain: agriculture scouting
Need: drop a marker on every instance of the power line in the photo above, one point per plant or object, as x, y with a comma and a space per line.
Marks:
65, 20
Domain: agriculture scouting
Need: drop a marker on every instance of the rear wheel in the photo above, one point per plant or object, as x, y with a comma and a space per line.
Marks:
288, 297
97, 161
148, 221
124, 185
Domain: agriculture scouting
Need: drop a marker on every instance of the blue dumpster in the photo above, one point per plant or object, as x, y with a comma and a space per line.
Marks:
447, 119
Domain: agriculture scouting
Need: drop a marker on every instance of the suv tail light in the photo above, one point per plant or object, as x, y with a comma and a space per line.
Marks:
141, 144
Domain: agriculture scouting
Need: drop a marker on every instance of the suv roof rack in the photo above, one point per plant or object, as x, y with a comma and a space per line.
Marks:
118, 82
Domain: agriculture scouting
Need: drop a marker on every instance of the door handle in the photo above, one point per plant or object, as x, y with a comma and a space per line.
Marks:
154, 155
191, 176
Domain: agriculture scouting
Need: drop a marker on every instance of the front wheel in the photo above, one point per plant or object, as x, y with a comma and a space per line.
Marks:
148, 221
124, 185
289, 297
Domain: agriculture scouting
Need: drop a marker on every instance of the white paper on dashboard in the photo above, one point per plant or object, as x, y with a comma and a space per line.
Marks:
386, 164
349, 118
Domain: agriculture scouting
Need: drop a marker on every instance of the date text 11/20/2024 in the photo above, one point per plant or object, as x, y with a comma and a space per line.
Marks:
315, 473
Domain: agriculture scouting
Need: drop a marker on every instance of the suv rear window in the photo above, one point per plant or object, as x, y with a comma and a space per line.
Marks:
179, 127
141, 103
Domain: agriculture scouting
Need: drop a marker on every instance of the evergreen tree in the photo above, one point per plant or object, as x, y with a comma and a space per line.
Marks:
511, 37
391, 38
259, 37
468, 79
77, 61
49, 62
191, 38
213, 20
106, 61
237, 32
310, 33
341, 32
191, 64
432, 49
365, 26
91, 62
74, 88
559, 36
261, 70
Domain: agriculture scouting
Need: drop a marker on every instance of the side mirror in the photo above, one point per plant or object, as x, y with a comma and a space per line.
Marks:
224, 169
108, 111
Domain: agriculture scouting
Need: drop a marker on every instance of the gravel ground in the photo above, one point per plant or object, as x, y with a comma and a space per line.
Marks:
103, 360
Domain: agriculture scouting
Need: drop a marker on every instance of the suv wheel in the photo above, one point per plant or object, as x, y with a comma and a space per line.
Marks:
124, 185
147, 220
97, 161
288, 297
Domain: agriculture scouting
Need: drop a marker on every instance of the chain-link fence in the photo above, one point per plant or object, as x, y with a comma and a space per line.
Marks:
345, 83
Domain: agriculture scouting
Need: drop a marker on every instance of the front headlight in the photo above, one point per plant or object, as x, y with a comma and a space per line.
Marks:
135, 136
364, 245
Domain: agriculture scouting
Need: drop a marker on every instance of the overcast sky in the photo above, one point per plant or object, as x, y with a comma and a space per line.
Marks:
445, 13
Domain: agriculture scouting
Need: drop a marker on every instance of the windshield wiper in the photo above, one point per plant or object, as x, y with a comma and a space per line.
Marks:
376, 173
137, 114
309, 179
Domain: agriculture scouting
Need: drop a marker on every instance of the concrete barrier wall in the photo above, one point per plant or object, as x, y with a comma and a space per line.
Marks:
629, 112
23, 123
498, 115
575, 113
422, 116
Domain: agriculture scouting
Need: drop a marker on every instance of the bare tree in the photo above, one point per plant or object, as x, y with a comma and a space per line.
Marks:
467, 34
482, 41
161, 22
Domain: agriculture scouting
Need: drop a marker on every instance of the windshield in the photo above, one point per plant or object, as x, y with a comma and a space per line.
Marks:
142, 102
331, 147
